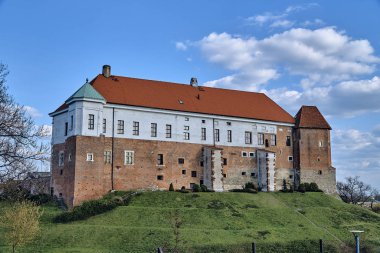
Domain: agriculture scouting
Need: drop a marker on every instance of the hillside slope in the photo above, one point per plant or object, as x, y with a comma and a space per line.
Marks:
214, 222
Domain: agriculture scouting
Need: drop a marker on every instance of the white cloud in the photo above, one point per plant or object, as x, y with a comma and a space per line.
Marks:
33, 112
181, 46
315, 22
282, 23
319, 56
47, 130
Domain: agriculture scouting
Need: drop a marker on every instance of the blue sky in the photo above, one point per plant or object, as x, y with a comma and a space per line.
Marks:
324, 53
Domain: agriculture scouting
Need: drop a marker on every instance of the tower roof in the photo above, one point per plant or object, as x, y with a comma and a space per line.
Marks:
311, 117
86, 91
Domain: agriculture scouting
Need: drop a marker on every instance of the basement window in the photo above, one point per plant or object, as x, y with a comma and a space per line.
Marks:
160, 177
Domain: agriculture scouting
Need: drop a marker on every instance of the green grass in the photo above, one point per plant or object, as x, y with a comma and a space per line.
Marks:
212, 222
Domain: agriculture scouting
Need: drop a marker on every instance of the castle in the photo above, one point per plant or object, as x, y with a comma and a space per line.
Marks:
120, 133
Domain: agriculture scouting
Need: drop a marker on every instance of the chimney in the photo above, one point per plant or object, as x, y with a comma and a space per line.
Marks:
194, 82
106, 71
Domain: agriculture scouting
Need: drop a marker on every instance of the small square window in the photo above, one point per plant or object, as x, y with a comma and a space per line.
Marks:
186, 128
291, 176
160, 177
224, 175
244, 154
186, 118
201, 181
90, 157
228, 123
320, 172
253, 174
183, 172
251, 154
244, 173
290, 158
203, 121
181, 160
193, 173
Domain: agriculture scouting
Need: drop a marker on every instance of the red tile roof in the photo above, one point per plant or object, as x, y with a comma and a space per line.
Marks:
186, 98
311, 117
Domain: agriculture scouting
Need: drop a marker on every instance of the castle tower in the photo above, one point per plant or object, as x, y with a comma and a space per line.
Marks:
312, 149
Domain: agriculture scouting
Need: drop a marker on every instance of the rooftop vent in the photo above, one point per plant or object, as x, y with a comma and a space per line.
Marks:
194, 82
106, 71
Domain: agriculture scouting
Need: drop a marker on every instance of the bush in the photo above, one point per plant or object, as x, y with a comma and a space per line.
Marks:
314, 187
302, 188
41, 198
183, 190
284, 186
249, 185
376, 208
171, 187
196, 188
309, 187
204, 188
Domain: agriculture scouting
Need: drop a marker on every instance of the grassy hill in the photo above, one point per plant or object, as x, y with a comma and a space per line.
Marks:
213, 222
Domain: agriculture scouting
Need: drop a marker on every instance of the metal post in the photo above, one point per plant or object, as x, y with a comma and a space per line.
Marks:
253, 247
159, 250
357, 243
320, 246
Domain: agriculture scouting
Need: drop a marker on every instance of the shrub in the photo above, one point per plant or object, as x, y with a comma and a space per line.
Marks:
308, 187
249, 185
41, 198
204, 188
197, 188
284, 186
313, 187
376, 208
302, 188
171, 187
183, 190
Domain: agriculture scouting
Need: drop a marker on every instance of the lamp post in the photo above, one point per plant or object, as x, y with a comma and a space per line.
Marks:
356, 234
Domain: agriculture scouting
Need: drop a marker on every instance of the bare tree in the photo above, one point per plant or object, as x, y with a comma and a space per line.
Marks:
355, 191
22, 222
20, 138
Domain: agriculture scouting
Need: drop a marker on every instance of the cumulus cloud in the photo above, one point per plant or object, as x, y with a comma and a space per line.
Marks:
33, 112
320, 56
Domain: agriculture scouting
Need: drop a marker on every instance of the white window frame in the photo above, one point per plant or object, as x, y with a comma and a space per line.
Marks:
252, 154
107, 156
290, 158
132, 162
244, 154
90, 157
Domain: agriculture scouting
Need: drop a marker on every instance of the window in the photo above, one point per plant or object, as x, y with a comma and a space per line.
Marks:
186, 128
69, 157
160, 177
288, 141
216, 135
253, 174
71, 122
248, 137
228, 123
183, 172
251, 154
90, 157
244, 154
319, 172
260, 139
186, 118
120, 126
229, 135
291, 176
91, 119
193, 173
224, 161
203, 121
61, 172
135, 128
224, 175
203, 133
273, 140
320, 144
104, 126
181, 160
244, 173
201, 163
160, 159
129, 157
66, 128
107, 157
153, 129
290, 158
61, 158
186, 135
168, 131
